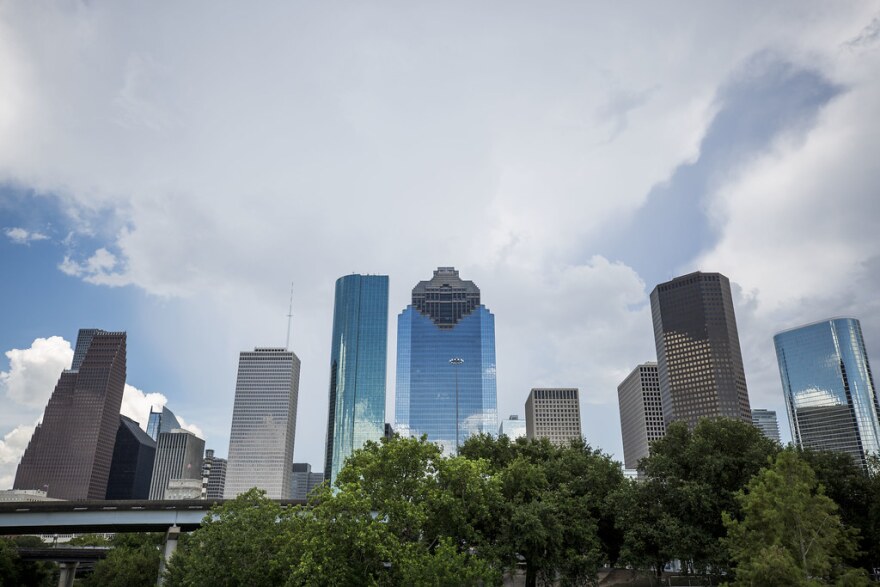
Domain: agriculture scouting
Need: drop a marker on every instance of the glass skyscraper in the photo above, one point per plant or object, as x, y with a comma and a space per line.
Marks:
828, 387
162, 421
358, 357
435, 396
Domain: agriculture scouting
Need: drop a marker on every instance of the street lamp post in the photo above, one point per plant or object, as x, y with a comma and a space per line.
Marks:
455, 362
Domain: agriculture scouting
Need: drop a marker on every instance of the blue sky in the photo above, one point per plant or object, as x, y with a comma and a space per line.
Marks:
170, 173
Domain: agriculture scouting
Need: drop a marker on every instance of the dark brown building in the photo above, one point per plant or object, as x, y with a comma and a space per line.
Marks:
698, 354
70, 453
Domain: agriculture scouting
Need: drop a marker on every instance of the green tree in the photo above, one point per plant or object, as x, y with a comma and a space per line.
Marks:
8, 563
237, 544
557, 515
700, 472
133, 562
790, 532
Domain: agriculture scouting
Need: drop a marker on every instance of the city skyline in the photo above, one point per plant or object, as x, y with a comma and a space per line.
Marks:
162, 177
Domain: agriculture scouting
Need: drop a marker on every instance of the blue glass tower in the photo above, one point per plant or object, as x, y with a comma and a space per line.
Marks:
448, 401
358, 358
829, 390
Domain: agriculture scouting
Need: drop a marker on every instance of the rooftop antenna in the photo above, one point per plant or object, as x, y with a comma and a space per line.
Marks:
289, 317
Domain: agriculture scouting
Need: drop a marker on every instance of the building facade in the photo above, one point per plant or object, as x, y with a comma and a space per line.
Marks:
554, 413
828, 387
178, 456
446, 363
766, 422
641, 413
358, 361
698, 354
71, 451
303, 480
132, 466
513, 427
162, 420
263, 423
213, 476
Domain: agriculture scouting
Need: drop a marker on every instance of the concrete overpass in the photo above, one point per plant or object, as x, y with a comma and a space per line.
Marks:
83, 517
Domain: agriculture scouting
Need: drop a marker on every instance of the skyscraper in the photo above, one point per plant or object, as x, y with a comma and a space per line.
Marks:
302, 480
513, 427
641, 413
446, 362
161, 421
765, 421
263, 423
178, 456
698, 354
213, 476
828, 387
554, 413
358, 356
132, 465
70, 453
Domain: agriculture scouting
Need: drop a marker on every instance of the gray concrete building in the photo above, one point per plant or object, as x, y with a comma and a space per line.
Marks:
263, 423
553, 413
303, 480
178, 456
641, 413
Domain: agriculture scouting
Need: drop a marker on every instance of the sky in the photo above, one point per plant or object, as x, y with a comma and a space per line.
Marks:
173, 171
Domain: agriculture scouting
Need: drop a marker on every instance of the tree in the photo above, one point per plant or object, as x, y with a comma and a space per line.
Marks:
557, 515
133, 562
700, 472
237, 544
790, 532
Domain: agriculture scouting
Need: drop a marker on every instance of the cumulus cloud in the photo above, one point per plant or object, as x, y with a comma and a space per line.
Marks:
137, 404
21, 236
33, 372
214, 170
11, 448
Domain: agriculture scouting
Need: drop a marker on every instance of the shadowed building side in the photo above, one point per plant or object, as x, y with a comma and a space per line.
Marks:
70, 454
132, 466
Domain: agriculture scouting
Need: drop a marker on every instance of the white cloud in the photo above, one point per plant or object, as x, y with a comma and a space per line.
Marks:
136, 404
21, 236
33, 372
217, 157
11, 448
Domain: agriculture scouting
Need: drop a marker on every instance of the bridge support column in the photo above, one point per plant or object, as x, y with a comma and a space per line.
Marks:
168, 550
68, 573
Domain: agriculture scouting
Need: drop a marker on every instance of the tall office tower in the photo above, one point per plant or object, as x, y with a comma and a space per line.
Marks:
828, 387
446, 362
263, 423
698, 354
70, 453
302, 480
512, 427
132, 465
641, 413
161, 421
553, 413
765, 421
178, 456
358, 355
214, 476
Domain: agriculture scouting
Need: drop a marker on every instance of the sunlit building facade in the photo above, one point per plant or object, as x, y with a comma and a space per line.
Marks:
828, 387
766, 422
161, 420
358, 358
70, 453
555, 414
263, 423
699, 360
446, 363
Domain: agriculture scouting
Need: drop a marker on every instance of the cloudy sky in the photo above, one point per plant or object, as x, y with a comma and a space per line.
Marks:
170, 172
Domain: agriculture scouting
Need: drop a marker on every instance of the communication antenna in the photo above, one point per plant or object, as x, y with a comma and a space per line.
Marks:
289, 317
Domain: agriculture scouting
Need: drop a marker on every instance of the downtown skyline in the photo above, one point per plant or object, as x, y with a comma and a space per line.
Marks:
541, 154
